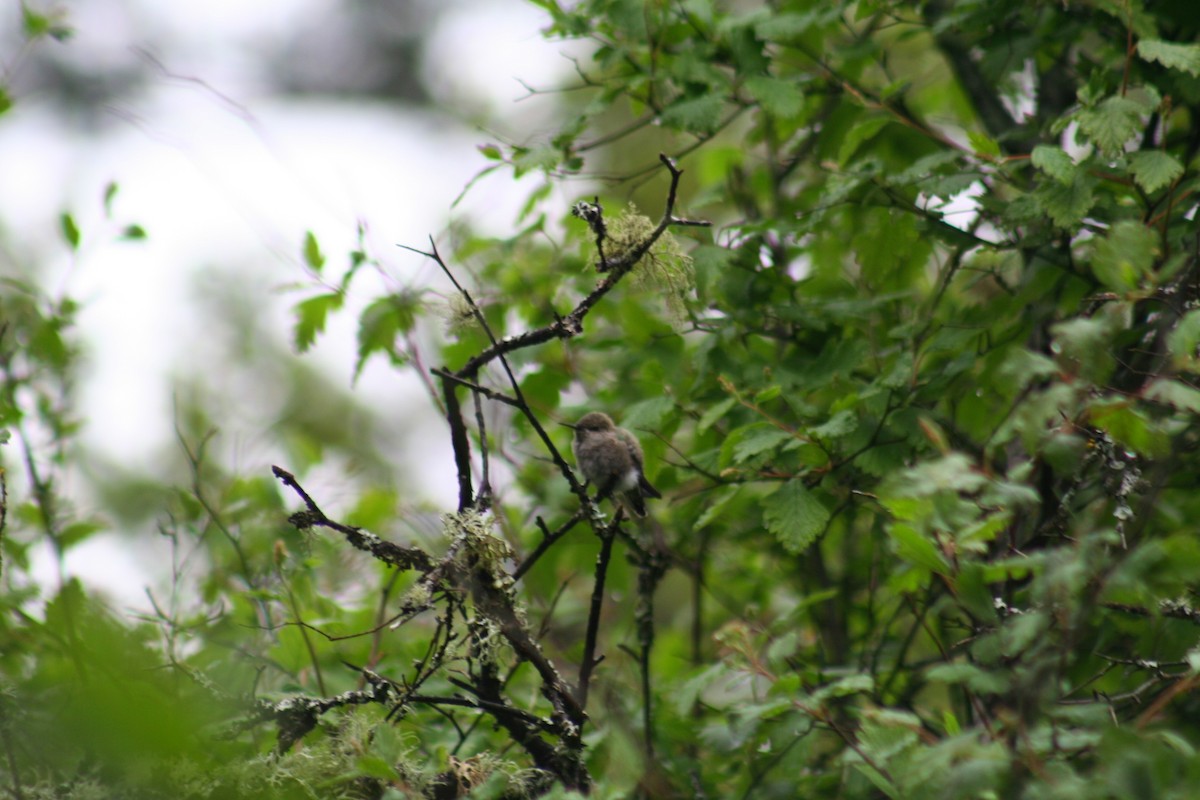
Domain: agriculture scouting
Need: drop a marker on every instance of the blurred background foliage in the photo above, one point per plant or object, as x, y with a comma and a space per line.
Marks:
922, 406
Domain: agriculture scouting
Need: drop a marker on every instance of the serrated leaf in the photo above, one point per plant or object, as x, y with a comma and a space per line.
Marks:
312, 252
1185, 57
310, 319
1066, 205
696, 114
795, 516
778, 97
1111, 124
1154, 169
70, 230
1055, 162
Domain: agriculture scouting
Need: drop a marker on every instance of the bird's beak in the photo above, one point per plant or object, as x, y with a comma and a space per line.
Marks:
570, 425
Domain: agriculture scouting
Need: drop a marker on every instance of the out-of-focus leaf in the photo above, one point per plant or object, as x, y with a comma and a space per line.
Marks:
310, 318
794, 515
1184, 57
70, 230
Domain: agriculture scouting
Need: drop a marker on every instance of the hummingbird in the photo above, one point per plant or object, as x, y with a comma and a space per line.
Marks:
611, 458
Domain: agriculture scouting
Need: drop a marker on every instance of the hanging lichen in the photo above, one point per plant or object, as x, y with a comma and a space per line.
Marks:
664, 269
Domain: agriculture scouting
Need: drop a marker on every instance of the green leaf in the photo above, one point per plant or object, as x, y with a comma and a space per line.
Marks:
1184, 340
312, 252
310, 319
1112, 123
1068, 204
491, 152
969, 675
794, 516
5, 99
756, 439
1154, 169
133, 232
983, 144
110, 191
840, 424
768, 394
695, 115
1055, 162
785, 27
1083, 344
70, 230
1130, 428
379, 325
714, 413
649, 414
1173, 393
860, 133
1123, 258
543, 388
778, 97
77, 532
954, 472
542, 158
1184, 57
35, 25
914, 547
1020, 366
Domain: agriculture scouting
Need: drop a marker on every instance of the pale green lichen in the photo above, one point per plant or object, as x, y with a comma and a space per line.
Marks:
665, 269
458, 315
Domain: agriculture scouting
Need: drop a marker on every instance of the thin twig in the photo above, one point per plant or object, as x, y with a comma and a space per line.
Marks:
589, 663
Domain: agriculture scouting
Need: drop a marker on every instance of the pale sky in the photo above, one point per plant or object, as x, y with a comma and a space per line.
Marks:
223, 173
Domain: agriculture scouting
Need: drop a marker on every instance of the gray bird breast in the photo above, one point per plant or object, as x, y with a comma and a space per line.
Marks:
602, 457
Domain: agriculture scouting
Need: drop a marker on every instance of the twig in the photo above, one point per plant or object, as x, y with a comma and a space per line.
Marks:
572, 324
387, 552
485, 485
548, 540
589, 663
490, 394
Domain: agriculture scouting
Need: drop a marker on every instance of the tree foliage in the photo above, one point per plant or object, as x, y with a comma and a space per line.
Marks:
922, 405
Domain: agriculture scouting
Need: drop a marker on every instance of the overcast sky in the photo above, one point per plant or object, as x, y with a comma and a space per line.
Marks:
226, 170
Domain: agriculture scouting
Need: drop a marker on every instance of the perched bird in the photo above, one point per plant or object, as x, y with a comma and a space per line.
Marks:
611, 458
